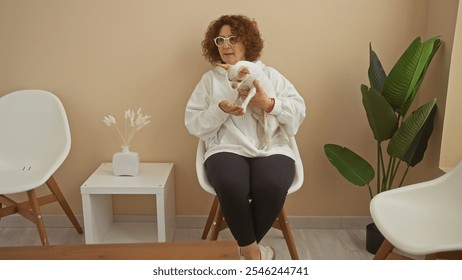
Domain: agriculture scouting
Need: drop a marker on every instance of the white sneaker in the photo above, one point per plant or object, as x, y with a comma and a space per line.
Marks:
267, 253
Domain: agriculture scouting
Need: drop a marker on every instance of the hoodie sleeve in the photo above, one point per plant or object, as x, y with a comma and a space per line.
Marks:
203, 116
289, 107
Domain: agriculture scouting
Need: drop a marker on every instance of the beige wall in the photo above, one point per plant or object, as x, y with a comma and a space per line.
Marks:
102, 57
451, 150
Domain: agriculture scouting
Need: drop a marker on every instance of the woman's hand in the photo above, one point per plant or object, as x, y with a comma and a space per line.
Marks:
231, 108
260, 100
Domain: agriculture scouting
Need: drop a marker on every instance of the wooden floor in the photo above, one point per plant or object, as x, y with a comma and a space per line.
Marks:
312, 244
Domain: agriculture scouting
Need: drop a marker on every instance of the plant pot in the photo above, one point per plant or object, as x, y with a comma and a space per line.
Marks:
374, 238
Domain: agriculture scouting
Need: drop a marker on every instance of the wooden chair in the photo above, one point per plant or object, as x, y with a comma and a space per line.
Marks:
421, 220
35, 142
216, 222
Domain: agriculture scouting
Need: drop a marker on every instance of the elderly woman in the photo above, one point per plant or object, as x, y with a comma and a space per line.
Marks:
236, 167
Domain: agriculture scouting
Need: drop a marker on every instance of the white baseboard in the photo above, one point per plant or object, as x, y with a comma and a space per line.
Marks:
197, 222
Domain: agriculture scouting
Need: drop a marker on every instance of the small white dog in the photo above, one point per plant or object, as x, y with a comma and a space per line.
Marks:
241, 76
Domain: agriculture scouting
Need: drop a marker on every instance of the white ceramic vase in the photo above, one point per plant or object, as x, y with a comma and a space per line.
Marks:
125, 163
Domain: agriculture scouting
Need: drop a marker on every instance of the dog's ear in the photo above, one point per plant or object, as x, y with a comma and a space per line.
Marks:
225, 66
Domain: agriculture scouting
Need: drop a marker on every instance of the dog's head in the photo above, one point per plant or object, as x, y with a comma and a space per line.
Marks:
236, 74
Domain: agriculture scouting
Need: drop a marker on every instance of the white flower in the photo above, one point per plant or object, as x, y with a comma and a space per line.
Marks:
109, 120
133, 123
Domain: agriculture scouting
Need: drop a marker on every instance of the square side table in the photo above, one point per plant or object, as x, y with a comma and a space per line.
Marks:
153, 178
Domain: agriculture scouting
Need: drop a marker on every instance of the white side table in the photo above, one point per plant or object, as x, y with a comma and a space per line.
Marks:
97, 191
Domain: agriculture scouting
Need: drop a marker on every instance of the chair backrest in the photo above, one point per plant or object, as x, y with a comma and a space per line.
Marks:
202, 175
436, 203
35, 139
443, 191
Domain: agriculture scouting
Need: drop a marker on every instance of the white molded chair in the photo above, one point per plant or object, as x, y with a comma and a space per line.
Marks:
423, 219
35, 140
215, 221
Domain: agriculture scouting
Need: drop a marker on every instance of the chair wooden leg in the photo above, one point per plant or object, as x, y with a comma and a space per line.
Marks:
210, 219
53, 186
287, 232
451, 255
217, 224
35, 208
385, 249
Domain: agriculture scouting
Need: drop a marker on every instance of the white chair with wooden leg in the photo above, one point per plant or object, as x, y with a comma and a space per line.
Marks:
216, 222
421, 220
35, 140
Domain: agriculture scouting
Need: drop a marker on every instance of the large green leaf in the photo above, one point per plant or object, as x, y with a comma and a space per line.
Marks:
375, 72
429, 49
353, 167
418, 147
410, 140
381, 116
406, 76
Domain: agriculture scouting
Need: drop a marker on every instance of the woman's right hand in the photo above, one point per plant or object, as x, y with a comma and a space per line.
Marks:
231, 108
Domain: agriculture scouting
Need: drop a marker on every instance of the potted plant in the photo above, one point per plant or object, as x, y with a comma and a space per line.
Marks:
387, 102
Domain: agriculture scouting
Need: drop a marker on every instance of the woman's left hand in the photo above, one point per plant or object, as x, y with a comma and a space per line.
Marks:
260, 100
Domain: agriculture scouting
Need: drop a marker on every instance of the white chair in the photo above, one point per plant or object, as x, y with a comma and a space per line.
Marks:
34, 142
215, 221
423, 219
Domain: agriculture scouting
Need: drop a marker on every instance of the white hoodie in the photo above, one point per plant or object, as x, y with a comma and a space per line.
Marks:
222, 132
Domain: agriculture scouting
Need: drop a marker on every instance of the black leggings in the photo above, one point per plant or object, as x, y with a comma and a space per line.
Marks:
236, 179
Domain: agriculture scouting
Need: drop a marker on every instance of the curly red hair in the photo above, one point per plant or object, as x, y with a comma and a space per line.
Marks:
241, 26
